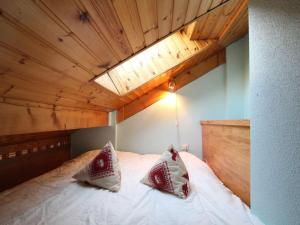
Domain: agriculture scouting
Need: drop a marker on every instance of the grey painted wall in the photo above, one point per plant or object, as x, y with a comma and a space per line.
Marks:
91, 138
237, 80
220, 94
275, 110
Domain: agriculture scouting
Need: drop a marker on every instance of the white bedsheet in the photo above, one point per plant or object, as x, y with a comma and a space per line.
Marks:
55, 198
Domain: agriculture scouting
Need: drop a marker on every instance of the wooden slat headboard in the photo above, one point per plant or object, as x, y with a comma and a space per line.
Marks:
226, 149
23, 157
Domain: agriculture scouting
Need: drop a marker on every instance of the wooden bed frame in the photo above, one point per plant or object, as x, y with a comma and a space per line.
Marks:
226, 149
23, 157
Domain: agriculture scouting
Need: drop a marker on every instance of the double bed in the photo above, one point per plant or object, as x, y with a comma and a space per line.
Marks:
56, 198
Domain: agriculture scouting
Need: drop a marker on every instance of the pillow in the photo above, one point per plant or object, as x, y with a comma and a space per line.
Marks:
103, 171
169, 174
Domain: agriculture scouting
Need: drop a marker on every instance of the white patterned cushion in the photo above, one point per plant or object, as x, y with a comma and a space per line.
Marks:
103, 171
169, 174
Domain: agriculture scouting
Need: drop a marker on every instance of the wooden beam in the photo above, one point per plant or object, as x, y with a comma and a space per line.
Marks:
20, 119
211, 24
161, 91
237, 27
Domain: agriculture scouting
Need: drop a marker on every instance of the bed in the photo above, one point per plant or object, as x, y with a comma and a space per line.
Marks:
56, 198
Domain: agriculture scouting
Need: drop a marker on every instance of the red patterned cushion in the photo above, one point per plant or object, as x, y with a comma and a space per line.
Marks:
169, 174
103, 171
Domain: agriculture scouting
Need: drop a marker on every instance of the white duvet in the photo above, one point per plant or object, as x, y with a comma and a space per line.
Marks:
55, 198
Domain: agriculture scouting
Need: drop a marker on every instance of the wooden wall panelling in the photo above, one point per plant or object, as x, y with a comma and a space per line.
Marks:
192, 10
237, 26
58, 36
229, 11
148, 16
129, 16
13, 61
99, 95
16, 119
71, 15
179, 13
107, 22
215, 3
204, 7
26, 156
210, 25
89, 96
161, 91
226, 149
28, 45
11, 86
164, 14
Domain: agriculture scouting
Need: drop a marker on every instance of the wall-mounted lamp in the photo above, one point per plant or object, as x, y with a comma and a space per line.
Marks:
172, 86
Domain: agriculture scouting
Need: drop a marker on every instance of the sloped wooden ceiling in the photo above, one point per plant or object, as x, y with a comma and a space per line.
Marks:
51, 51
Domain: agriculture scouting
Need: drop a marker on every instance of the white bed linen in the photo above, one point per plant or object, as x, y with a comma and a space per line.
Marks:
56, 198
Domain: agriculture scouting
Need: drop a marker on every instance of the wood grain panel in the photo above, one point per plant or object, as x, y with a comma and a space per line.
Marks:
226, 149
12, 86
192, 10
26, 156
28, 45
148, 16
106, 22
130, 19
13, 61
15, 119
215, 3
33, 18
210, 25
204, 7
69, 13
164, 14
179, 11
22, 87
237, 27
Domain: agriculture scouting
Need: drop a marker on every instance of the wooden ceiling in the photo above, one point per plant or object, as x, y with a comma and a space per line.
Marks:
51, 51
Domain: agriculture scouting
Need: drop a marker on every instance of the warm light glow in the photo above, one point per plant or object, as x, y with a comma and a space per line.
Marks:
170, 99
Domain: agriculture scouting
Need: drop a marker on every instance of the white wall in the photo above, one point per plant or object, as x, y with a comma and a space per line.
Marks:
237, 80
220, 94
275, 110
154, 129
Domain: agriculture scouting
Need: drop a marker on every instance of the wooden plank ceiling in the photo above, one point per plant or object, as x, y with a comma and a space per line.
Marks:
51, 51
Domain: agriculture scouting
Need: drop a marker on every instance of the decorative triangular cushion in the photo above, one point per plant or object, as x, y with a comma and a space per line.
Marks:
169, 174
103, 171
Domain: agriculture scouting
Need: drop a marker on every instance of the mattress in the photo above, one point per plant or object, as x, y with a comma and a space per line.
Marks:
56, 198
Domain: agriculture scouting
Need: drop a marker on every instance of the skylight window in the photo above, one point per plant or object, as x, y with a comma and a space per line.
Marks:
149, 63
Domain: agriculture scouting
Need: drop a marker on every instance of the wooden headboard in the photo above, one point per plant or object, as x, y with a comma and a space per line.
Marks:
25, 156
226, 149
